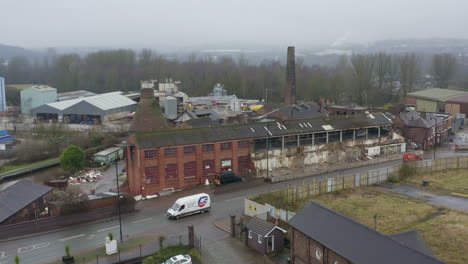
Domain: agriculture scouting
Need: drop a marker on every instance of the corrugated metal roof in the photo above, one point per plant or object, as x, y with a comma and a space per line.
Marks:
352, 240
107, 151
102, 101
437, 94
255, 130
20, 195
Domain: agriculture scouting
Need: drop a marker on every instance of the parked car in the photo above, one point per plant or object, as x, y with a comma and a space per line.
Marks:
226, 177
407, 157
179, 259
198, 203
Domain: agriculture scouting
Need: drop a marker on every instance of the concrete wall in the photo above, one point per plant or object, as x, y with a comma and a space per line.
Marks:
426, 106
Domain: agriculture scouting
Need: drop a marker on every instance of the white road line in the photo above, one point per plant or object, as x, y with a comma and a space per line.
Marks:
142, 220
70, 238
233, 199
33, 247
90, 237
108, 228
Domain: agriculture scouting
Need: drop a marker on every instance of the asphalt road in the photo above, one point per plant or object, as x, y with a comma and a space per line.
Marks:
150, 220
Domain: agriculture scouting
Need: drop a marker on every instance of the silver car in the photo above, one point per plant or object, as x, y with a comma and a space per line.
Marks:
179, 259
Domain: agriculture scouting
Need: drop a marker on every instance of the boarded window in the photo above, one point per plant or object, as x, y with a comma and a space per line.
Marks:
150, 154
226, 146
170, 152
243, 165
208, 147
190, 170
152, 175
189, 150
208, 168
171, 172
243, 144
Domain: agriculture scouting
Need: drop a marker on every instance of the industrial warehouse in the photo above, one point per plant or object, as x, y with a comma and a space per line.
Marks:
187, 157
92, 110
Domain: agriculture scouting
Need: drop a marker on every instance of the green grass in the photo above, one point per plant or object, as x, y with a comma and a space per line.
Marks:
450, 181
90, 255
20, 86
445, 234
28, 166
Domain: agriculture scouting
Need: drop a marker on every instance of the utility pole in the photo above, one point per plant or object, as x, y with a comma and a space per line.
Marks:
118, 198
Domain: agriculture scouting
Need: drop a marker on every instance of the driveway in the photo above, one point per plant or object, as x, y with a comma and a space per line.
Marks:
457, 203
231, 251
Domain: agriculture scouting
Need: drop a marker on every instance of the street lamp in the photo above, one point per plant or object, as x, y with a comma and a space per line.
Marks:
268, 153
118, 198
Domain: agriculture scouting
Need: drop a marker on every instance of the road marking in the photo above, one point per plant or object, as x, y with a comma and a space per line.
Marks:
70, 238
108, 228
90, 237
33, 247
233, 199
2, 254
142, 220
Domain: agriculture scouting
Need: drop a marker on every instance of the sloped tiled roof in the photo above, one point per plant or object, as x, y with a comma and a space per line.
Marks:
20, 195
257, 130
354, 241
260, 227
414, 240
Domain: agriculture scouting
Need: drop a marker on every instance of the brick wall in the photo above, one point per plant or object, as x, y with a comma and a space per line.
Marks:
182, 167
308, 251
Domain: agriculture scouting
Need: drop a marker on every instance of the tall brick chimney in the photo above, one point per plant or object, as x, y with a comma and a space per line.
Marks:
290, 92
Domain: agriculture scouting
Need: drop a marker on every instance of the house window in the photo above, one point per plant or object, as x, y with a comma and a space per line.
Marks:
208, 147
190, 170
243, 144
150, 154
170, 152
260, 240
318, 253
226, 146
171, 172
152, 175
250, 234
189, 150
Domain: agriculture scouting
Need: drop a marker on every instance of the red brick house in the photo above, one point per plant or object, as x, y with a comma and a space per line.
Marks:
424, 129
321, 235
23, 201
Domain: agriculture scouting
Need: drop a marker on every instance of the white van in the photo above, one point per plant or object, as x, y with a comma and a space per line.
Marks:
197, 203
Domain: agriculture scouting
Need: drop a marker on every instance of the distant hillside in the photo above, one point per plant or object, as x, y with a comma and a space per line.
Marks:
8, 52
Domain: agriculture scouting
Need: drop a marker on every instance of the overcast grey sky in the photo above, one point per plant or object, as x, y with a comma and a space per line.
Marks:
183, 23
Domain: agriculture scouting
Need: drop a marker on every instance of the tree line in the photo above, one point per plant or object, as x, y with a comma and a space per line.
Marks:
364, 79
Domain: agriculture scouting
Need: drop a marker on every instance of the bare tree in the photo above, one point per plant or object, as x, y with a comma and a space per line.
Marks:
383, 67
408, 72
363, 66
443, 69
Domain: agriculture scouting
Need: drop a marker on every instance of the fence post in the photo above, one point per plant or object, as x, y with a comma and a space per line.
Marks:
140, 250
343, 183
191, 236
97, 259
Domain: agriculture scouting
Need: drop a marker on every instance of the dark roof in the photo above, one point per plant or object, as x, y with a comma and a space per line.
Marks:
415, 119
303, 111
20, 195
202, 122
414, 240
257, 130
260, 227
352, 240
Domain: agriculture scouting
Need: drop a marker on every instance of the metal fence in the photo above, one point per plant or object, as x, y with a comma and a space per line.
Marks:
372, 177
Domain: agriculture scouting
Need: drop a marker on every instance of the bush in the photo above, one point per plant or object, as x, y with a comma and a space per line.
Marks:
406, 171
127, 203
72, 158
72, 200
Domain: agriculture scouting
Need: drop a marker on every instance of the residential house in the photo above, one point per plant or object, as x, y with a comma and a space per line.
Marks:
321, 235
263, 236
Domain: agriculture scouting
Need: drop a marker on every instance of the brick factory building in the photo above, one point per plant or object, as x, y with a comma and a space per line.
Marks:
183, 158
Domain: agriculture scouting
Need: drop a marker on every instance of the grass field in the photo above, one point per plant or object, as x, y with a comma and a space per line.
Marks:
444, 231
90, 255
20, 86
448, 181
